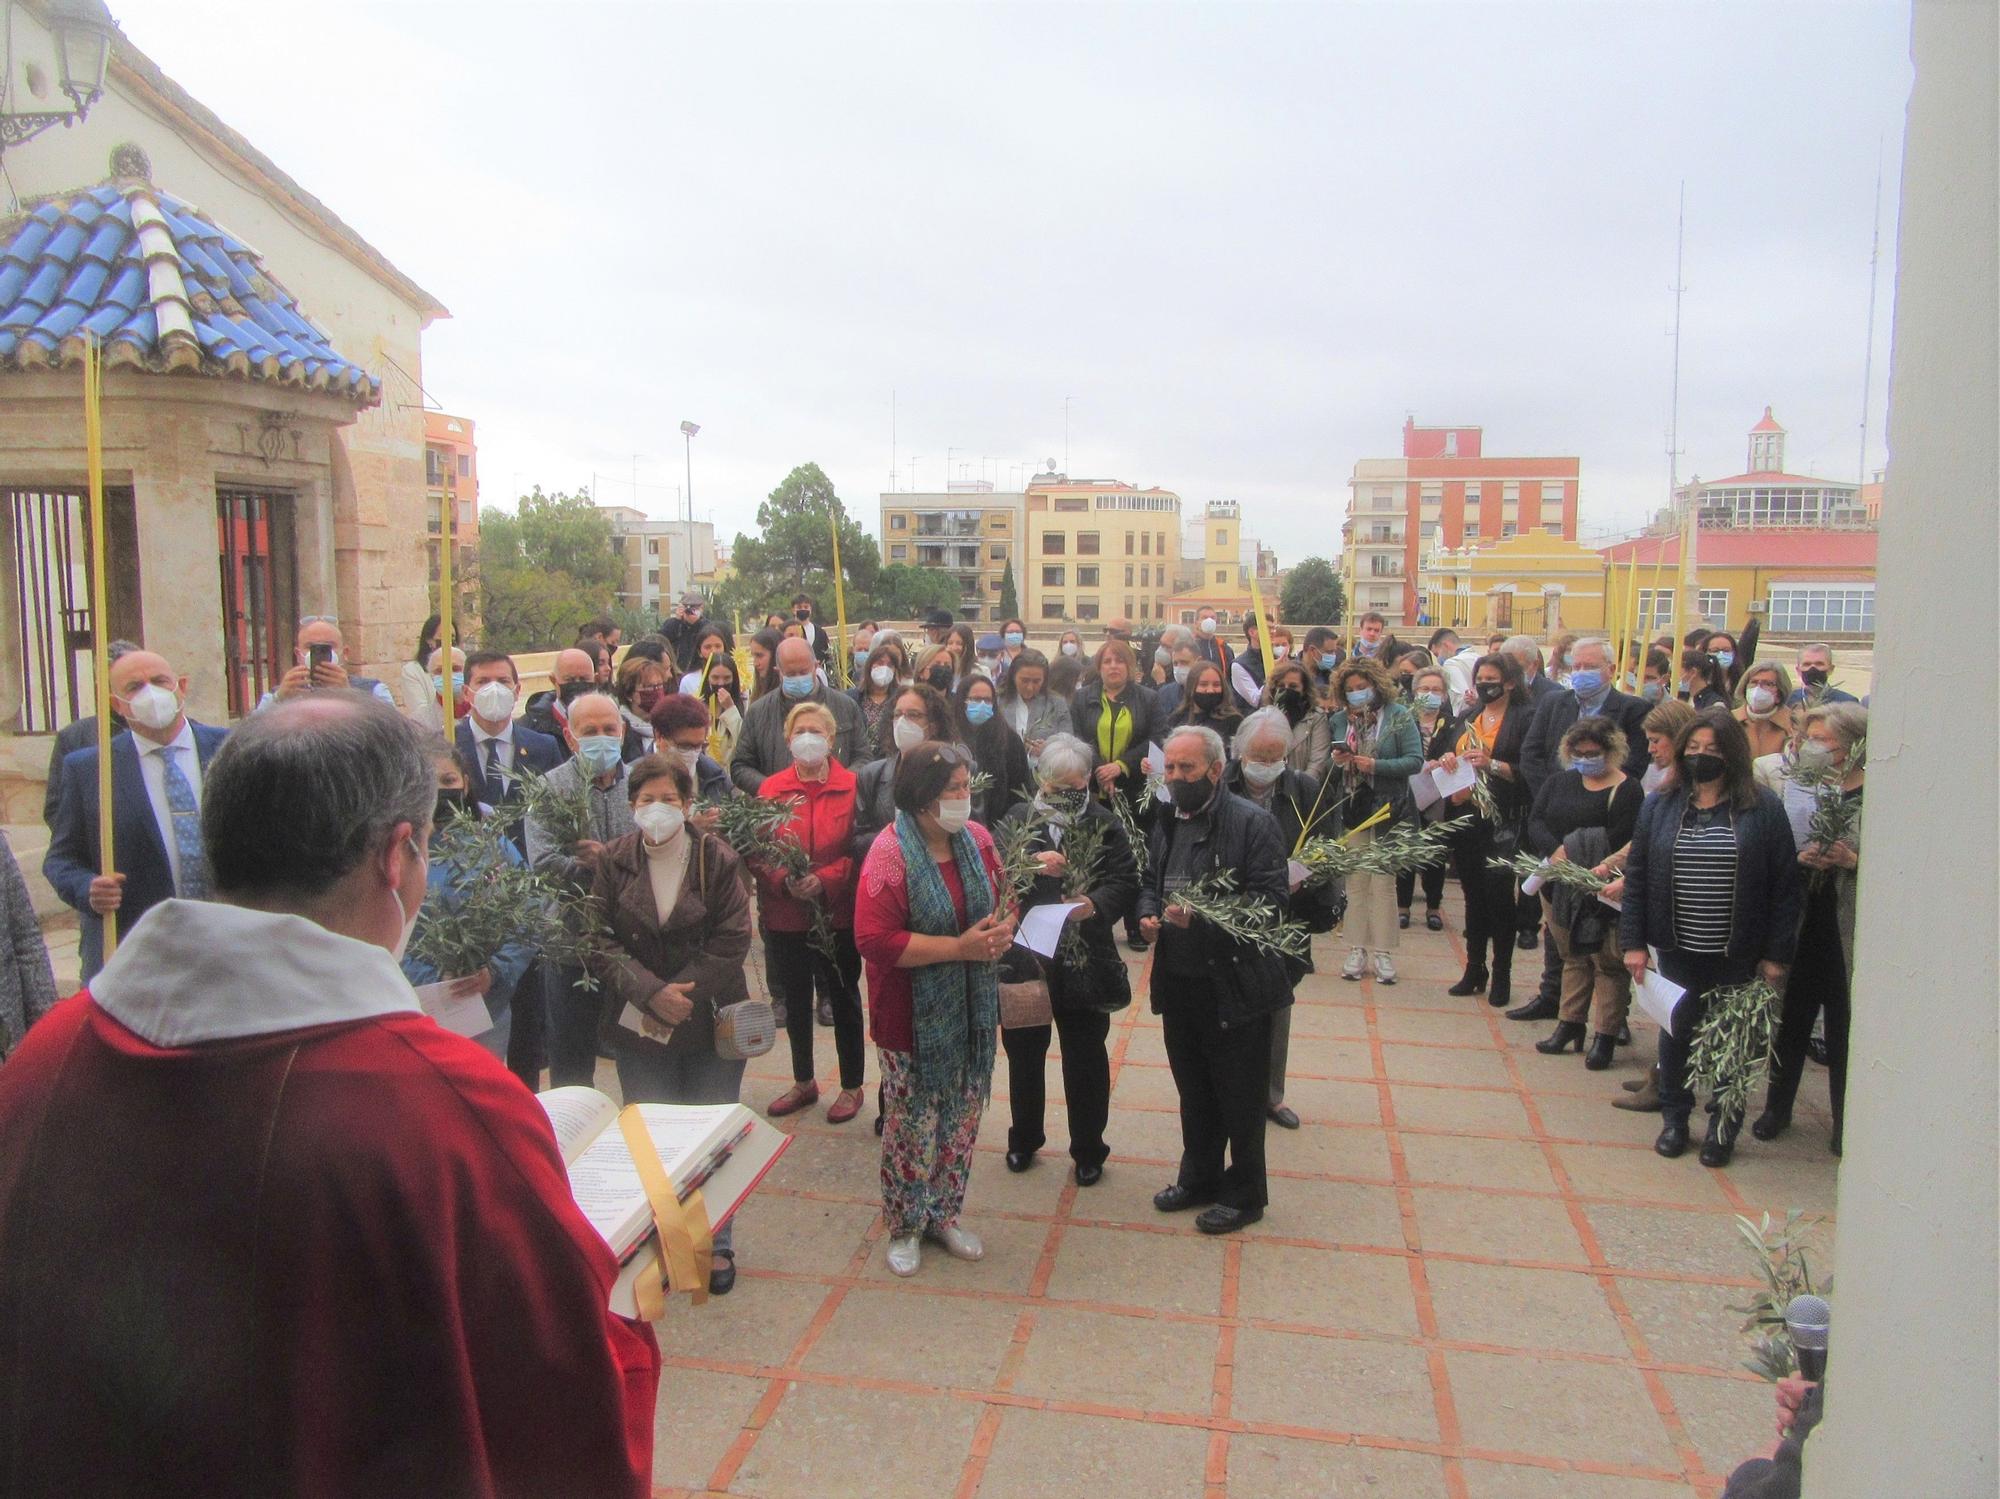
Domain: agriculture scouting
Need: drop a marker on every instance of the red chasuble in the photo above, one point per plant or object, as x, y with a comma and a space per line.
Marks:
265, 1229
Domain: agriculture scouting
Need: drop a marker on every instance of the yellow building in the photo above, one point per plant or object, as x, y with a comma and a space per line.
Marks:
1532, 584
1814, 584
1220, 579
1097, 549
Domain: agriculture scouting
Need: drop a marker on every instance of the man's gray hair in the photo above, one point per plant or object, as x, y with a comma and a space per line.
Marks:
584, 697
1818, 645
1173, 637
1064, 755
1211, 742
1263, 721
301, 793
1592, 640
1522, 645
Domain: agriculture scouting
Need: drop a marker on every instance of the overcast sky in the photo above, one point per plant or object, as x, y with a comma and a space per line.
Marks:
1245, 240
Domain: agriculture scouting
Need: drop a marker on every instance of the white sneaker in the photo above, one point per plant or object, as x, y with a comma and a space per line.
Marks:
906, 1255
959, 1243
1385, 971
1356, 964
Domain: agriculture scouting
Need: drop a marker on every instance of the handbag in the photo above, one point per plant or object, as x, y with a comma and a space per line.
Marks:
1023, 1006
746, 1029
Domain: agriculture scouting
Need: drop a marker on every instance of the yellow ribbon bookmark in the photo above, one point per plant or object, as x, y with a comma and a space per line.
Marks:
687, 1244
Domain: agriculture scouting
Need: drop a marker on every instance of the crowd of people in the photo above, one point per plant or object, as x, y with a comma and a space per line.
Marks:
964, 780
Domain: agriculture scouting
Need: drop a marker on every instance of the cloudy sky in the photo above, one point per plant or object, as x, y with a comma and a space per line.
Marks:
1242, 241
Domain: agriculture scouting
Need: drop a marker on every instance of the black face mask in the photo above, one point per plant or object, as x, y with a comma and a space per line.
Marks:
1491, 692
569, 692
940, 678
1705, 768
450, 802
1191, 796
1813, 676
1208, 702
802, 613
1069, 801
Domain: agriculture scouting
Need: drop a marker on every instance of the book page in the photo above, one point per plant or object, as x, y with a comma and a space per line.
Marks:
578, 1115
681, 1132
605, 1182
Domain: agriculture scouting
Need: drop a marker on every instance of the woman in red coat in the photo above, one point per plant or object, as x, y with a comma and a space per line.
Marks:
805, 913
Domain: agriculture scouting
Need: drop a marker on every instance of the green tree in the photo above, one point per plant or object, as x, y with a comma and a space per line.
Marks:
568, 534
544, 569
905, 592
792, 551
1010, 604
1313, 594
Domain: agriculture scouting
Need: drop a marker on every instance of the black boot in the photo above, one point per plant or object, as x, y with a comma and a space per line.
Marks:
1720, 1142
1500, 986
1771, 1123
1599, 1056
1673, 1140
1567, 1033
1475, 968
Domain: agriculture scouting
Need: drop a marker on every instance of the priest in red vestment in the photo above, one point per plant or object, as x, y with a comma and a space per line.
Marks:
265, 1228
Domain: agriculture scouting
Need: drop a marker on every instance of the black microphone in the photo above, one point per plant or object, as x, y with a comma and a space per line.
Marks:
1806, 1319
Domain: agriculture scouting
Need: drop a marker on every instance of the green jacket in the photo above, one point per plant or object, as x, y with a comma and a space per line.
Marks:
1399, 748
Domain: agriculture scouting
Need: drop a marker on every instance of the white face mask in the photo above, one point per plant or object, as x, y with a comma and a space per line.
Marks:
1262, 773
1071, 648
1207, 627
409, 921
494, 701
1181, 674
882, 674
906, 735
657, 821
1761, 700
954, 812
153, 707
1279, 652
689, 758
809, 748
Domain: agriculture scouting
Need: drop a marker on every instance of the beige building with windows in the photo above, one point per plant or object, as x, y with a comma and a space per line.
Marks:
1096, 549
969, 530
1217, 576
662, 557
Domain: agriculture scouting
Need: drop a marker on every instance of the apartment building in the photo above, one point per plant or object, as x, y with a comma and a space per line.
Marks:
451, 482
1097, 549
662, 557
969, 530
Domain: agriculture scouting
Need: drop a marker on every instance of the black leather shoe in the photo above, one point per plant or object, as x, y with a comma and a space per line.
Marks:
1283, 1117
1719, 1144
1136, 942
1538, 1008
1567, 1033
1020, 1160
722, 1274
1770, 1124
1089, 1176
1529, 939
1178, 1199
1434, 921
1222, 1220
1472, 982
1624, 1037
1673, 1139
1403, 921
1599, 1056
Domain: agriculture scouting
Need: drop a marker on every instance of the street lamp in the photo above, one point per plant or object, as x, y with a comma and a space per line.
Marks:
83, 33
688, 430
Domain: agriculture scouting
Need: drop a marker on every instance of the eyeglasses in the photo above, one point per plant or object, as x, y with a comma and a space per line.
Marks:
317, 619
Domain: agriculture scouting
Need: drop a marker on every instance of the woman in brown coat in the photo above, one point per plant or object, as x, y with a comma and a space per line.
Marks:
677, 922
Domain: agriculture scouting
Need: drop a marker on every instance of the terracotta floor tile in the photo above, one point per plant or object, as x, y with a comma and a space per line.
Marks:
1639, 1238
1345, 1058
1776, 1183
1334, 1102
1604, 1171
1508, 1481
1594, 1119
1726, 1419
1013, 1249
1477, 1163
827, 1163
1336, 1212
1138, 1363
805, 1237
964, 1339
1521, 1228
758, 1323
1179, 1272
1347, 1022
1262, 1467
824, 1442
1333, 1384
699, 1415
1328, 1150
1533, 1309
1145, 1087
1327, 1288
1153, 1134
1554, 1408
1440, 1026
1458, 1110
1038, 1453
1437, 1064
1035, 1190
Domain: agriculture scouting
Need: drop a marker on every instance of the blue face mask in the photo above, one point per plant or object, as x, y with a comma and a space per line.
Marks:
1586, 683
797, 687
600, 753
1725, 659
1588, 765
860, 660
978, 710
1014, 638
1652, 692
457, 682
1430, 702
1361, 697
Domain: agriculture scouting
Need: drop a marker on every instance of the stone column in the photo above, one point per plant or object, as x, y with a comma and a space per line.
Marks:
1911, 1369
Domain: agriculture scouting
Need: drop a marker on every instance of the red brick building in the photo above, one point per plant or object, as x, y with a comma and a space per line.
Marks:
1445, 491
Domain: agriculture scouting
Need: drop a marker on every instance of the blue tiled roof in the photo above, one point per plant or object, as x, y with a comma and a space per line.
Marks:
163, 288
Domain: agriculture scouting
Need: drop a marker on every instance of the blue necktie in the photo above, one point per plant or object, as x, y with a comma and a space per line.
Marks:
193, 882
496, 773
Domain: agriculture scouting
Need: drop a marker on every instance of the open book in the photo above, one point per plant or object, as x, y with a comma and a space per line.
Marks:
720, 1149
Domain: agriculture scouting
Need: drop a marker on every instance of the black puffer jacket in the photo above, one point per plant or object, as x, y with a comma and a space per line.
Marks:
1099, 982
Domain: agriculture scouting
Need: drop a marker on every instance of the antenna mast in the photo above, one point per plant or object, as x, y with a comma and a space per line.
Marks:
1868, 354
1688, 594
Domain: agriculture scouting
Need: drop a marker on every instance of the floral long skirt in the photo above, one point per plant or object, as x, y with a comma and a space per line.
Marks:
926, 1150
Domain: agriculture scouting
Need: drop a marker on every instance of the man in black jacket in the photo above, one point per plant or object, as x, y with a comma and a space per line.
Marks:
1215, 996
684, 629
571, 675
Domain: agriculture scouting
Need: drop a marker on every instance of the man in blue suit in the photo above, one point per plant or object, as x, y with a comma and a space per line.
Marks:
498, 746
156, 777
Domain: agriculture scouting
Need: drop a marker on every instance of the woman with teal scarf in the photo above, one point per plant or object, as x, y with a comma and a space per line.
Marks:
931, 921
